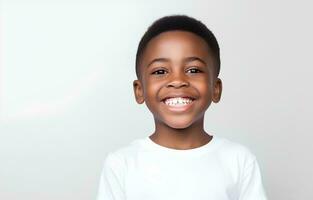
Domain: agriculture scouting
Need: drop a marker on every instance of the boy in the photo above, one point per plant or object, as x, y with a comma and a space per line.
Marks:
177, 66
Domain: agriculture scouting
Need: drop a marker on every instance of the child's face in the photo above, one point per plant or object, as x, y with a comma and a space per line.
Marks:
177, 64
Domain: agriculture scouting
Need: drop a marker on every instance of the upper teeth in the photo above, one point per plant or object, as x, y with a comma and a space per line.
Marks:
177, 101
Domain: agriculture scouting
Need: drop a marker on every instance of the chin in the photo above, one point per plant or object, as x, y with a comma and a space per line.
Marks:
178, 124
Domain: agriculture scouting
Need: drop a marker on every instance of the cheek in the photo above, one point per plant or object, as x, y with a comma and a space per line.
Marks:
203, 84
152, 90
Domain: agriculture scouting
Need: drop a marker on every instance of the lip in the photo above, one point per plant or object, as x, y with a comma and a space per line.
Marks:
181, 95
178, 108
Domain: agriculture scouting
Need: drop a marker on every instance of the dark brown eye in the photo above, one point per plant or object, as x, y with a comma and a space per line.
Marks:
194, 70
160, 71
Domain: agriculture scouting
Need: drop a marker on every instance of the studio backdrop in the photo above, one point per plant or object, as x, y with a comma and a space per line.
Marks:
66, 96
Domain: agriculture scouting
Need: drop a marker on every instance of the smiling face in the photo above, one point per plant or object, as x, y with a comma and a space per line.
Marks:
178, 81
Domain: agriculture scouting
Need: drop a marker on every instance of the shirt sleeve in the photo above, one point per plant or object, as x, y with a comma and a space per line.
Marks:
251, 187
111, 185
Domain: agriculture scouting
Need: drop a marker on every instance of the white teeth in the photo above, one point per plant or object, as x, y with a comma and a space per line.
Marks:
177, 101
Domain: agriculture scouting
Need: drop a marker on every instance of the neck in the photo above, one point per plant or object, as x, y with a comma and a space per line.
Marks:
186, 138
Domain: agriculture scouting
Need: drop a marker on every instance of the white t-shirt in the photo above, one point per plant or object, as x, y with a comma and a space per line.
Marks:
145, 170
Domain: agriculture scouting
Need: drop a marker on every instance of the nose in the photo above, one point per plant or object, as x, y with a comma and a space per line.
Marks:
178, 81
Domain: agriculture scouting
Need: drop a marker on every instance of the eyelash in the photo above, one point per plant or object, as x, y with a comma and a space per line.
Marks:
198, 70
155, 72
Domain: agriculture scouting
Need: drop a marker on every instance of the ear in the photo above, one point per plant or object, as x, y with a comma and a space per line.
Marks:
217, 91
138, 91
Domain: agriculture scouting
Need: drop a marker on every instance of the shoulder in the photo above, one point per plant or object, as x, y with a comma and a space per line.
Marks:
120, 155
236, 151
235, 158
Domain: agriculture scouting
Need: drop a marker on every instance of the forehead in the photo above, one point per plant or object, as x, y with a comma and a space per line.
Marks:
176, 45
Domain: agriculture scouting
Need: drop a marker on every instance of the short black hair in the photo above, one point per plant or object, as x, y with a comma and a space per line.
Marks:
183, 23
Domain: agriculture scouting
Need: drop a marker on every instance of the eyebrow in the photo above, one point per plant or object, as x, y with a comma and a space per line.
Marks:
188, 59
194, 58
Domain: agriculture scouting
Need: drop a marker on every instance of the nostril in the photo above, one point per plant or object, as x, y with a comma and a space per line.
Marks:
177, 84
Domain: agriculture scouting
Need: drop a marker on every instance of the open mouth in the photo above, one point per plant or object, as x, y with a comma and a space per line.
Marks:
178, 101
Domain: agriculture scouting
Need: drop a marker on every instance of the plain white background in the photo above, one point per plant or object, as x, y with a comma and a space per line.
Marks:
66, 95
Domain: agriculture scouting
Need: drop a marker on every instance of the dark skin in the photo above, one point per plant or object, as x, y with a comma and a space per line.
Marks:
178, 63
